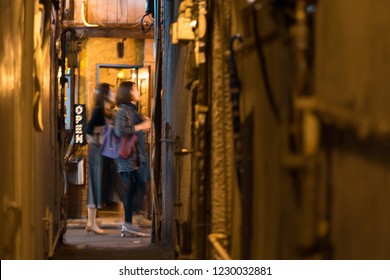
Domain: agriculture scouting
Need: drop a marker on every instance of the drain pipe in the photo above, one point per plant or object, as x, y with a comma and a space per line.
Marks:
344, 118
307, 129
214, 239
48, 224
157, 129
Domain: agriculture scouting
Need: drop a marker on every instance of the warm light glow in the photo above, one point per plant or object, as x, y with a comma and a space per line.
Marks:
120, 75
134, 76
83, 16
193, 23
144, 75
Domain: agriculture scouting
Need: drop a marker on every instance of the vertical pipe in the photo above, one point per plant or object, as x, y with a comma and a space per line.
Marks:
156, 117
200, 133
308, 126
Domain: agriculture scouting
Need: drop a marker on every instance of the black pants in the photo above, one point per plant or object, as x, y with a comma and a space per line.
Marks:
136, 189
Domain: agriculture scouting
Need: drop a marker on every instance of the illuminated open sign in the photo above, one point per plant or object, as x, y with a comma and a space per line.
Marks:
79, 124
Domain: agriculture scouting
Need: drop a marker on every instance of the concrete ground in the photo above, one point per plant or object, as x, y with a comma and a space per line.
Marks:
78, 244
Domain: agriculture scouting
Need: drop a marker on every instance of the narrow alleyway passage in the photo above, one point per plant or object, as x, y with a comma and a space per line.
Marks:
79, 245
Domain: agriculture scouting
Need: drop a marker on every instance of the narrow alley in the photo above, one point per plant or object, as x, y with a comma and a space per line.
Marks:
194, 130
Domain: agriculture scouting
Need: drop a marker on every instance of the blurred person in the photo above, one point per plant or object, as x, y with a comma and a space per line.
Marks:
134, 170
104, 183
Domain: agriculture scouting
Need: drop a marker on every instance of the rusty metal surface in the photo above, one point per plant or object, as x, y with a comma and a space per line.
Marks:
352, 55
352, 66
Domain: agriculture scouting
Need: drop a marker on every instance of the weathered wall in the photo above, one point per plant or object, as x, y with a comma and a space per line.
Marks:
27, 169
222, 153
352, 179
104, 51
176, 118
352, 66
10, 71
267, 187
272, 208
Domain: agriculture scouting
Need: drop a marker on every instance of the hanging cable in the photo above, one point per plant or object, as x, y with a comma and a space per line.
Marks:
142, 24
83, 16
263, 63
235, 88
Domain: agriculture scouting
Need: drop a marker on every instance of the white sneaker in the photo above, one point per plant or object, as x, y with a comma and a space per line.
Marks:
142, 222
132, 230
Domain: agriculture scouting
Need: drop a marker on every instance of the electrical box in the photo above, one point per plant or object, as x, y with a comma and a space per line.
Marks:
182, 31
185, 31
76, 166
173, 33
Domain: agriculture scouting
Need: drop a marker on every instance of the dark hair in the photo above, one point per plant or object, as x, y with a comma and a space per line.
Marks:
123, 95
101, 94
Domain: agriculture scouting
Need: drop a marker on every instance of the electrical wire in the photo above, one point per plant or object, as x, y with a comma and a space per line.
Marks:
83, 16
149, 26
263, 64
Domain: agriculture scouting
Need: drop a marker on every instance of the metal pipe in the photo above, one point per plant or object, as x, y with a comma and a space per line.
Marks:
48, 220
83, 16
183, 225
344, 118
306, 131
214, 240
156, 119
58, 235
200, 143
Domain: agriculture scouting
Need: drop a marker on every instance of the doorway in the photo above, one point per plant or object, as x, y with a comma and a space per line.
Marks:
111, 217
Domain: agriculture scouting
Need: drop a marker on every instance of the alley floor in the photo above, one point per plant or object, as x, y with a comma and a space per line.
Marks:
79, 245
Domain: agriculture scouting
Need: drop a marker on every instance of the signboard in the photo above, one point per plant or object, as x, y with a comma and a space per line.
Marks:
79, 124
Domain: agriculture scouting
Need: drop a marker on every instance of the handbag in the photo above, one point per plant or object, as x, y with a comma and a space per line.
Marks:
126, 146
114, 146
111, 142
